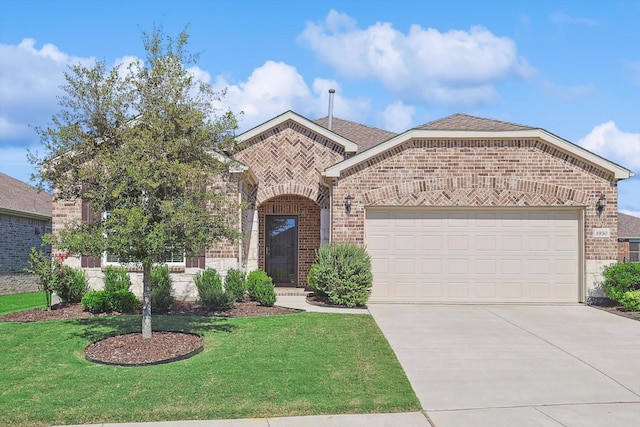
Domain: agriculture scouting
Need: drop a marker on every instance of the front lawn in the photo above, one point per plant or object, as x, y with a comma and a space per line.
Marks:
19, 302
297, 364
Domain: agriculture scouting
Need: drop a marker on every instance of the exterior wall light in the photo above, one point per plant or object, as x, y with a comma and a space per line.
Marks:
601, 203
347, 204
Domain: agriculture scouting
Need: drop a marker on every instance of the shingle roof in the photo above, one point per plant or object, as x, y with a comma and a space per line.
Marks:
18, 196
364, 136
465, 122
628, 226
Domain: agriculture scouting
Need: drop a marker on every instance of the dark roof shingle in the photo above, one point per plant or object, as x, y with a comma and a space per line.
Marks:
465, 122
18, 196
363, 135
628, 226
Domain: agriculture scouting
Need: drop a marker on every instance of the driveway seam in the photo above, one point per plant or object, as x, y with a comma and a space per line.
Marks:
561, 349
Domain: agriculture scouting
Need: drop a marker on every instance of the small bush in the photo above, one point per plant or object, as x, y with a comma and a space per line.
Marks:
162, 299
236, 283
312, 281
631, 301
96, 302
621, 278
210, 291
260, 288
254, 279
343, 274
71, 285
265, 293
123, 301
116, 279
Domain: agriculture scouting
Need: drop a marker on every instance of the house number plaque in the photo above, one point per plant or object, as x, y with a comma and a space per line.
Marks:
601, 233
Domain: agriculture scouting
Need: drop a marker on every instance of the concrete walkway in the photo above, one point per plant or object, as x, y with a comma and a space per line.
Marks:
517, 365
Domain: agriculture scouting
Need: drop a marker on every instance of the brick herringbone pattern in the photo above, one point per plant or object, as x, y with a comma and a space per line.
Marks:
288, 160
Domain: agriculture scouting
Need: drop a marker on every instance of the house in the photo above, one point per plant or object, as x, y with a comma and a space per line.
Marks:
461, 209
628, 238
25, 216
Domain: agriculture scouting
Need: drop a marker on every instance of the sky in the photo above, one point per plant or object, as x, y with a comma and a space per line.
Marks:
569, 67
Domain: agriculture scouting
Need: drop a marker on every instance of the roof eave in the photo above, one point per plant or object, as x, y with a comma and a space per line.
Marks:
24, 214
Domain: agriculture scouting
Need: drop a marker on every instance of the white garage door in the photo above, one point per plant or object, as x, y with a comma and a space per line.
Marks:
474, 256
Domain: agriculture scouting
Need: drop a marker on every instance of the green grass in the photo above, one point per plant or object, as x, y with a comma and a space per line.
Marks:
299, 364
20, 302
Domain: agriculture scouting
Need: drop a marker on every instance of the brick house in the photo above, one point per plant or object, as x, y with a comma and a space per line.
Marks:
628, 238
25, 216
461, 209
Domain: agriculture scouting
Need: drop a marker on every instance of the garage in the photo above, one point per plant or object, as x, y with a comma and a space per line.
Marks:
493, 255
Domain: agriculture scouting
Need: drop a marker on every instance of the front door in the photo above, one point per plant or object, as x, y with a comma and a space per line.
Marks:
281, 249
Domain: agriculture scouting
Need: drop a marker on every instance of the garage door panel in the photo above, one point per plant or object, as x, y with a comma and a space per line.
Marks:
435, 255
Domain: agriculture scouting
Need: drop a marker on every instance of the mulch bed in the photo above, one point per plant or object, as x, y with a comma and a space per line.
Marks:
619, 310
132, 349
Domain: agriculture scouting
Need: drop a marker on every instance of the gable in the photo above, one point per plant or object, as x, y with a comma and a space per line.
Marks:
316, 131
490, 131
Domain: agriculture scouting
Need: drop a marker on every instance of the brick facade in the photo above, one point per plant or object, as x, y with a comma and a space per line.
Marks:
481, 173
285, 163
308, 214
19, 235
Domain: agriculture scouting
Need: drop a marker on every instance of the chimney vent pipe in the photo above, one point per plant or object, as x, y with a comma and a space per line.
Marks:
331, 92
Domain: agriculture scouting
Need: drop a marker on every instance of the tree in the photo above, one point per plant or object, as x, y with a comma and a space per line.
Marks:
140, 144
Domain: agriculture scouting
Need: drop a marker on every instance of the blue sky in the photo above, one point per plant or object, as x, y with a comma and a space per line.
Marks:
570, 67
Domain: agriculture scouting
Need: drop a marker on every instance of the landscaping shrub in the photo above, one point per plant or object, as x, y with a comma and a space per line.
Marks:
210, 291
254, 279
116, 279
162, 299
72, 284
123, 301
236, 283
621, 278
264, 293
343, 274
631, 301
96, 302
312, 281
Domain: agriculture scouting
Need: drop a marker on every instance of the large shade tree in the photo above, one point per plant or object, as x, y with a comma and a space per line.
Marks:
139, 146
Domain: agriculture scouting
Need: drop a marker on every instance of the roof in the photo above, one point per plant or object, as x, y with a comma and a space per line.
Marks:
17, 197
628, 226
349, 145
365, 136
465, 122
460, 126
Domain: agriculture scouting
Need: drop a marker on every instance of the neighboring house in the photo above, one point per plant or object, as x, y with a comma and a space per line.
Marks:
628, 238
25, 216
461, 209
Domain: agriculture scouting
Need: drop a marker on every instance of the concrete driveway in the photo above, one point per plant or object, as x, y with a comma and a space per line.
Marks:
517, 365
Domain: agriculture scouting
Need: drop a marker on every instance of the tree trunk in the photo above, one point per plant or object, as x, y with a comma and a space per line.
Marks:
146, 300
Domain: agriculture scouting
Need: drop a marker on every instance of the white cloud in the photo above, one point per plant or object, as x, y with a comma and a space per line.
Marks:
398, 117
30, 80
276, 87
451, 67
613, 144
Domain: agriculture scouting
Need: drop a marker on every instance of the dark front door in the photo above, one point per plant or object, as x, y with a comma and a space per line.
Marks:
281, 249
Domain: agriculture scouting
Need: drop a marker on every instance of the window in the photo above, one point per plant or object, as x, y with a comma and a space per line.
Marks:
634, 251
